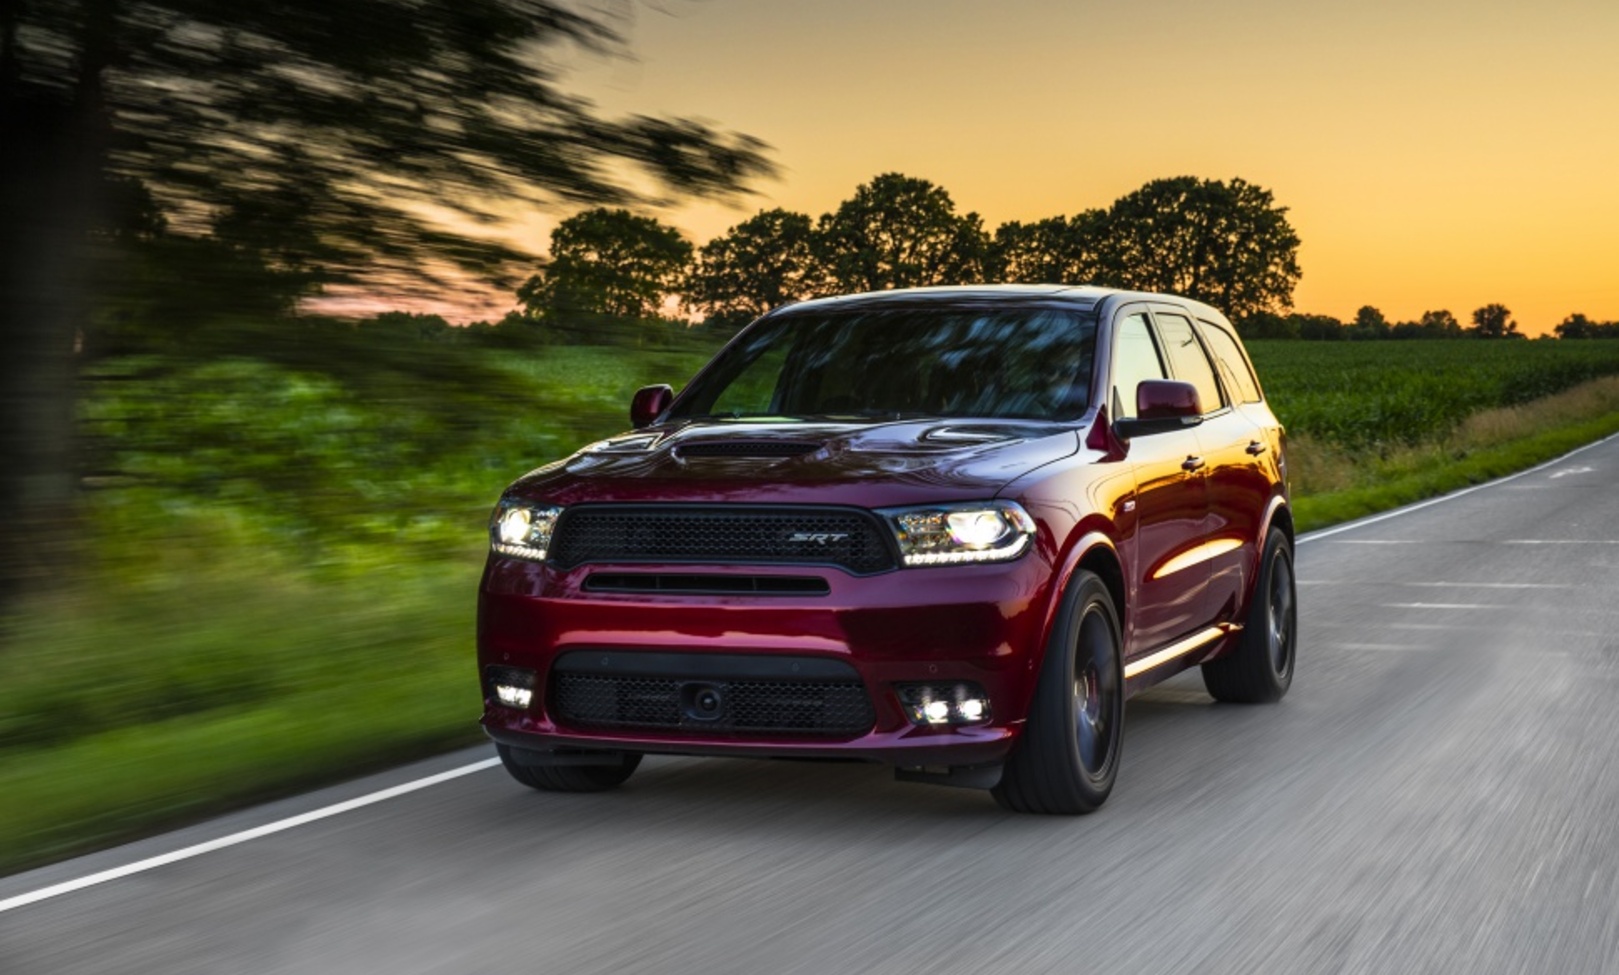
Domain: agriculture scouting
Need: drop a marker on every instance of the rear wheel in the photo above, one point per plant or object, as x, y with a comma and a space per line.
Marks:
1260, 669
569, 778
1068, 757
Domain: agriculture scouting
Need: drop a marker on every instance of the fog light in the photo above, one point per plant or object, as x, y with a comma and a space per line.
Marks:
513, 687
514, 697
944, 704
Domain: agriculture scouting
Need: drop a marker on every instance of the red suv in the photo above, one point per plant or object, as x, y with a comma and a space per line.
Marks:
948, 529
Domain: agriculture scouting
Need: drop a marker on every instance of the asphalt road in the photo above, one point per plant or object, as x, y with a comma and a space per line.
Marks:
1439, 793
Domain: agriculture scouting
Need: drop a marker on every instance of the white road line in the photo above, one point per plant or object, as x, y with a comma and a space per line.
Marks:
1380, 541
1440, 606
1437, 585
1452, 496
140, 866
1558, 541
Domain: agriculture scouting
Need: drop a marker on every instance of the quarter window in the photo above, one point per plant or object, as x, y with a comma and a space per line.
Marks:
1135, 358
1190, 362
1234, 369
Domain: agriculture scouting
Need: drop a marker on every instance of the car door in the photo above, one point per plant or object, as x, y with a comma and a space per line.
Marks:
1226, 470
1170, 499
1240, 451
1189, 362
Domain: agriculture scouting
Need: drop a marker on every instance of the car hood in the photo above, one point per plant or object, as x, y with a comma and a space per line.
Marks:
866, 464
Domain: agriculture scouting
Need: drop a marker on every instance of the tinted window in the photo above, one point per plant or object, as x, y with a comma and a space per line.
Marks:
1188, 359
886, 362
1135, 357
1239, 379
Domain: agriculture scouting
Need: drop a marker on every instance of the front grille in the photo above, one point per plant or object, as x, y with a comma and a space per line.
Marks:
723, 534
697, 584
822, 709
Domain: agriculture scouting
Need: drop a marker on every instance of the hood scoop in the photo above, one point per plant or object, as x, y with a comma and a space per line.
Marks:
965, 435
746, 448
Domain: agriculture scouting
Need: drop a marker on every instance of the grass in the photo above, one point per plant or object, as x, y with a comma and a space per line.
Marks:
286, 554
1333, 483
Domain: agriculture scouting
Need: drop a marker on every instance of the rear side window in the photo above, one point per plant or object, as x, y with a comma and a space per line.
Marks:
1135, 357
1234, 369
1187, 358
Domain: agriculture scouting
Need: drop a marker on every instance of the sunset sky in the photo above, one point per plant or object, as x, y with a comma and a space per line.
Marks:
1432, 153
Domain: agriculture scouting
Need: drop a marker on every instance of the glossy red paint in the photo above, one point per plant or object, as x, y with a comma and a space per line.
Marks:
1173, 522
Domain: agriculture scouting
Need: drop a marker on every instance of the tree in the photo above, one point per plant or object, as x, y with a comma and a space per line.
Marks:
761, 263
1494, 322
358, 137
900, 232
1369, 324
1056, 250
1578, 326
608, 263
1224, 243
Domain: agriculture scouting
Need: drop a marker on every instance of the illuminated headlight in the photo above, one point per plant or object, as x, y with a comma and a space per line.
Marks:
944, 704
522, 530
989, 531
511, 686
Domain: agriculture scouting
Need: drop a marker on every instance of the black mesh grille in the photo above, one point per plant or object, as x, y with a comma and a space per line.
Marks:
805, 535
824, 709
688, 583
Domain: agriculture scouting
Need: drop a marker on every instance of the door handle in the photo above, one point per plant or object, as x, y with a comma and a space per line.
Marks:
1255, 448
1191, 463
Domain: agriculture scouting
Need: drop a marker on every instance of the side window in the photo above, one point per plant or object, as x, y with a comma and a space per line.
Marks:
1234, 369
1135, 357
1188, 359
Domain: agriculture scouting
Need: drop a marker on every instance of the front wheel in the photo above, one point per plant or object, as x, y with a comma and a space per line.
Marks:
1068, 757
1260, 669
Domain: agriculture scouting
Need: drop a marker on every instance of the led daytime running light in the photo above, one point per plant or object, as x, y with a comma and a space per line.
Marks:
522, 531
991, 531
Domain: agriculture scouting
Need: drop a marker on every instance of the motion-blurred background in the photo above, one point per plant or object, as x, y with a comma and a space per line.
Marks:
291, 289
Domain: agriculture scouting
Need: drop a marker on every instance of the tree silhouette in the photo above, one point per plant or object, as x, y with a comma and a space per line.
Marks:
759, 264
1494, 322
1224, 243
1056, 250
900, 232
607, 264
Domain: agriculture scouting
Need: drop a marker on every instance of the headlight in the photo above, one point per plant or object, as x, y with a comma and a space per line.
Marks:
522, 530
947, 534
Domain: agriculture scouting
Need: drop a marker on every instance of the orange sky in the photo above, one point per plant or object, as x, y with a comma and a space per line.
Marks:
1433, 153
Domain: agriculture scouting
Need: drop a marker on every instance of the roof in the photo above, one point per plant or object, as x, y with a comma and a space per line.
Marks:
1082, 296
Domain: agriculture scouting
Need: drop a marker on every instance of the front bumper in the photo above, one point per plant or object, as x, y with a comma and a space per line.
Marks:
978, 624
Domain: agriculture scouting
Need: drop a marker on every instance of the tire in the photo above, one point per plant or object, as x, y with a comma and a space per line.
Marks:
570, 778
1260, 669
1068, 757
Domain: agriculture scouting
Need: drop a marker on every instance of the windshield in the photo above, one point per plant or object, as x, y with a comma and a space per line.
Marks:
887, 363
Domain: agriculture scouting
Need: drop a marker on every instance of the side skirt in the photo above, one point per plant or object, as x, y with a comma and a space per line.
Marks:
1169, 660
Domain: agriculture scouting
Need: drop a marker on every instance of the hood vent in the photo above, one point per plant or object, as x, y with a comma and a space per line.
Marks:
747, 448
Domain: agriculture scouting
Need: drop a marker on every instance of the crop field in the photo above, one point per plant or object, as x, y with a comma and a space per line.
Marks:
1385, 394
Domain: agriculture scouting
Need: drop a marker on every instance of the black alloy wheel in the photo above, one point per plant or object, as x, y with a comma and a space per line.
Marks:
1260, 668
1068, 757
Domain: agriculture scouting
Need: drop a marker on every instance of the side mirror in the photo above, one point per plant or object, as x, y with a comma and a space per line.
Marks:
649, 403
1162, 405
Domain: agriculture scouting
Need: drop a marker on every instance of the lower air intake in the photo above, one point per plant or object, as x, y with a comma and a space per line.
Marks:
723, 708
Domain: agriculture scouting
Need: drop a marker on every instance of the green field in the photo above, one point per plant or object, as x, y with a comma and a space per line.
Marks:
282, 553
1379, 394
